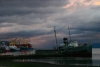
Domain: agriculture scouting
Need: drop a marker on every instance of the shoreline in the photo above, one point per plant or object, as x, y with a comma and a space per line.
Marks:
37, 64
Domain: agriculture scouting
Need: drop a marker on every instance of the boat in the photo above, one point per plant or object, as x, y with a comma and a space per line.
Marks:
72, 49
7, 49
25, 45
4, 47
20, 45
15, 45
69, 48
14, 49
12, 46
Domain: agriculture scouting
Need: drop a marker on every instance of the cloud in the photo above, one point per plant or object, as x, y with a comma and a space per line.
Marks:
36, 19
74, 5
97, 3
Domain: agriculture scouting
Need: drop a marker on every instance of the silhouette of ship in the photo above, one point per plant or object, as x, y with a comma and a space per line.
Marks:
68, 49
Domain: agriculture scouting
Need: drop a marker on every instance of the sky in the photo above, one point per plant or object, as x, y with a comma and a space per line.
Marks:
35, 20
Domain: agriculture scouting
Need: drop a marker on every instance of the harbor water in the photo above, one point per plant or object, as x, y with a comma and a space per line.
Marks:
94, 61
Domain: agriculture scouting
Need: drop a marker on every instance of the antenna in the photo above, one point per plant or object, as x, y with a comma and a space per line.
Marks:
55, 37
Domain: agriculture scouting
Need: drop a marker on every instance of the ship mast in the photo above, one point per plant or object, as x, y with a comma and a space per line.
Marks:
55, 37
69, 34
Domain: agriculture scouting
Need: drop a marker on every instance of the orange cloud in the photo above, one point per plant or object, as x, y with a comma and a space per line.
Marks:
77, 4
97, 3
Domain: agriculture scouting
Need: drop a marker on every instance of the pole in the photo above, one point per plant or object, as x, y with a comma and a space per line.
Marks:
55, 37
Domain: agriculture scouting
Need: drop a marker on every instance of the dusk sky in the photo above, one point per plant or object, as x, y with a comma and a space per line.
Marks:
35, 19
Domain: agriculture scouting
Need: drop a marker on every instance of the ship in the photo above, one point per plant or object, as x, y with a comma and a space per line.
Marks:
73, 48
20, 45
15, 45
4, 47
69, 48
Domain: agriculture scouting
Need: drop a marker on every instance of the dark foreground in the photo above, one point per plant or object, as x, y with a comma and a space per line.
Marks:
35, 64
11, 57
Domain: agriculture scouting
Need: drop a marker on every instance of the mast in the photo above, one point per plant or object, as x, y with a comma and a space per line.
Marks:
69, 33
55, 37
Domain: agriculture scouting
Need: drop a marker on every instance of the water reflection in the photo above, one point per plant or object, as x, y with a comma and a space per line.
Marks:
19, 53
23, 60
60, 60
95, 60
2, 54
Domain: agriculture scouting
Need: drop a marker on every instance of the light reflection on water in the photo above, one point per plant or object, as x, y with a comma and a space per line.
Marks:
19, 53
96, 56
60, 60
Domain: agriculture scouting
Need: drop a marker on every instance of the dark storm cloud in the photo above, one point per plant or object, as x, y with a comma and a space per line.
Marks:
21, 7
83, 19
32, 3
13, 11
28, 12
26, 34
89, 27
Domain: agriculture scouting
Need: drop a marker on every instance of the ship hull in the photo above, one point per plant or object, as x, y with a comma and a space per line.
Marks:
85, 50
14, 50
81, 51
65, 55
26, 49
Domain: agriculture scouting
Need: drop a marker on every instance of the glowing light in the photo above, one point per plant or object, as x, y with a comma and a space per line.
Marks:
23, 60
3, 54
23, 53
28, 52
